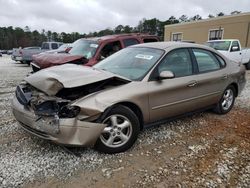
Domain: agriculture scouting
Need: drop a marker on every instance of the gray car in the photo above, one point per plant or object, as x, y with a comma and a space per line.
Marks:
107, 105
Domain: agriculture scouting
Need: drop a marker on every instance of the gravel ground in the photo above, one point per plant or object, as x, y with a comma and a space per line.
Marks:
204, 150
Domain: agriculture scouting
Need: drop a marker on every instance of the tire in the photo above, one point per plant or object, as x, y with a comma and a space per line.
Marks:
22, 62
227, 101
121, 132
248, 66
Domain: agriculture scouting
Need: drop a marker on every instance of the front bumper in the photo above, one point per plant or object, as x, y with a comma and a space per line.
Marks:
18, 58
67, 131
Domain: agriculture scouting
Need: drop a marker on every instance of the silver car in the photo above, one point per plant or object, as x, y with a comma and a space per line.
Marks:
107, 105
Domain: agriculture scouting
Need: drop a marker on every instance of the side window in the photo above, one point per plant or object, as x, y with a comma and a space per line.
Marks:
149, 40
54, 46
206, 60
130, 42
235, 46
222, 61
110, 49
45, 46
177, 61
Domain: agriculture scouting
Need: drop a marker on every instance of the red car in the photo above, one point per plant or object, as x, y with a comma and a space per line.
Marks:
90, 51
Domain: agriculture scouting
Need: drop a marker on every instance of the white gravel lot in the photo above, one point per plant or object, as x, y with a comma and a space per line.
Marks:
172, 150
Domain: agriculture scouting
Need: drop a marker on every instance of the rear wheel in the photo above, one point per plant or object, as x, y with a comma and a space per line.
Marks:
227, 101
121, 132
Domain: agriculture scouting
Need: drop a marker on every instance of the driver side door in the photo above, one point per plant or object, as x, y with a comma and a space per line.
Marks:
171, 97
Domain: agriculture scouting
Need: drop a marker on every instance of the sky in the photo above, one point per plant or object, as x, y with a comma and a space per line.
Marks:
86, 16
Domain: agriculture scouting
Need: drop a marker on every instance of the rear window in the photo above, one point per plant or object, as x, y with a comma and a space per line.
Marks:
54, 46
150, 40
130, 42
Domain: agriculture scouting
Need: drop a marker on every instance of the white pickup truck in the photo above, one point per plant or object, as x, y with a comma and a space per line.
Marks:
231, 48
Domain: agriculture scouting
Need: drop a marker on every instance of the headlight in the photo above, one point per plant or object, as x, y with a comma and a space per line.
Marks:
69, 111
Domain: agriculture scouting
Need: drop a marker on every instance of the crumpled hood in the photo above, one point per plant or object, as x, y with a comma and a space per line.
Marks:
45, 60
53, 79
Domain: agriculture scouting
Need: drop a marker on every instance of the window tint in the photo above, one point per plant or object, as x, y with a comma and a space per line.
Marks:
45, 46
110, 49
149, 40
222, 61
177, 61
54, 46
129, 42
206, 60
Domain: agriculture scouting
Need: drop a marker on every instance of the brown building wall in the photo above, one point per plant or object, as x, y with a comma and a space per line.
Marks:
234, 27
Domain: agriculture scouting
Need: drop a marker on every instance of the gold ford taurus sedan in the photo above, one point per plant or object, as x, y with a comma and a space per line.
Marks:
106, 106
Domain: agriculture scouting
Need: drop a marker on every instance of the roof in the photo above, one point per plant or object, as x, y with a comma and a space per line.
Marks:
107, 37
223, 40
210, 19
171, 44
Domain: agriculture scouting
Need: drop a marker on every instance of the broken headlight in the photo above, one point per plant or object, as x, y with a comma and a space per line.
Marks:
69, 111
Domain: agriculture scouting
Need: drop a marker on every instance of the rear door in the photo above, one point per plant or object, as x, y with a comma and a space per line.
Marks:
212, 76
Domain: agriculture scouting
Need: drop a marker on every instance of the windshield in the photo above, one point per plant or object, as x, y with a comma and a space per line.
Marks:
86, 48
132, 63
219, 45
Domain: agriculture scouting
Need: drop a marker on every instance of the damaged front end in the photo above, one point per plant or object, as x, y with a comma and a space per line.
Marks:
60, 117
54, 118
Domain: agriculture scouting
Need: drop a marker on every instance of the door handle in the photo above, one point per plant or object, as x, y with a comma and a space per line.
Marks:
225, 76
192, 83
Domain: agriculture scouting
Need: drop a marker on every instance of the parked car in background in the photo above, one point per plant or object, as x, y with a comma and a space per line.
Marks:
27, 53
106, 105
3, 51
91, 50
17, 53
1, 54
231, 48
9, 52
66, 47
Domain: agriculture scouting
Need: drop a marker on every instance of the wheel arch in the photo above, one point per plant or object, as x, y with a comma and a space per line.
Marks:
135, 108
236, 87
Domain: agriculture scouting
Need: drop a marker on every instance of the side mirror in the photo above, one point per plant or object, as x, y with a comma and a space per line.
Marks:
166, 75
234, 48
68, 49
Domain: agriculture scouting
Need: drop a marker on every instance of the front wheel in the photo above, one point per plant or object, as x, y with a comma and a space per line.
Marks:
121, 131
227, 101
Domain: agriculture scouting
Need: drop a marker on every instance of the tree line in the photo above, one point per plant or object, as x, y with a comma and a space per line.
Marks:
22, 37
